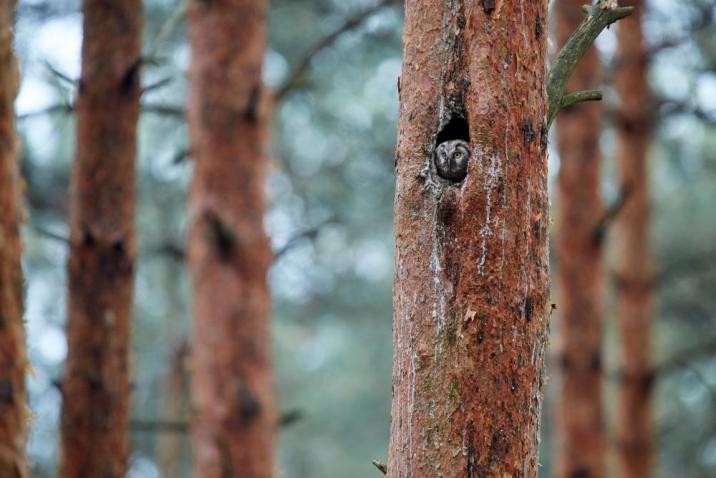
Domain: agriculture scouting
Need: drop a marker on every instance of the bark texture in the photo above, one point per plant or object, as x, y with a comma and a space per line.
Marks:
580, 426
13, 356
470, 296
232, 386
634, 302
102, 244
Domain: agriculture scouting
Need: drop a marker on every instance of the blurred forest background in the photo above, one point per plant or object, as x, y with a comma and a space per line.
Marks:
330, 221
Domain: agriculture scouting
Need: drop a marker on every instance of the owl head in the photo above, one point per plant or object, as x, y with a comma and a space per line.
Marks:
451, 158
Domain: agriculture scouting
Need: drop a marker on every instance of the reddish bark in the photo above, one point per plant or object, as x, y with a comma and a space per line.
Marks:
634, 302
13, 356
232, 386
580, 427
470, 296
102, 244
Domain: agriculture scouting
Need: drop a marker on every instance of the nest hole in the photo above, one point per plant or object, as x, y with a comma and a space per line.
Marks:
456, 128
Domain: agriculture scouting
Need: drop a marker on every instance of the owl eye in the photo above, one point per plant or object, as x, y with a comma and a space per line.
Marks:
457, 156
443, 153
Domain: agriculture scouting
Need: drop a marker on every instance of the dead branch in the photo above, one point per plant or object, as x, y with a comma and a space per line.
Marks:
305, 60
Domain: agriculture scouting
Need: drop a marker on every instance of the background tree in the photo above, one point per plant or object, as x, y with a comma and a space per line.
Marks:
229, 254
634, 274
580, 422
95, 387
13, 357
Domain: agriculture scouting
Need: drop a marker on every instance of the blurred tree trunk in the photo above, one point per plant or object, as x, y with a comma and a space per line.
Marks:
634, 308
470, 298
13, 356
580, 426
229, 254
102, 250
174, 409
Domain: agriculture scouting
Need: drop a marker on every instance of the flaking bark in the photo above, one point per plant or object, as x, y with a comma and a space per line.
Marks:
580, 449
634, 297
235, 420
470, 296
13, 355
102, 244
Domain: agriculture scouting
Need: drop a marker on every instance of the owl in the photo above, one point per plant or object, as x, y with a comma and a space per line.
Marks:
451, 158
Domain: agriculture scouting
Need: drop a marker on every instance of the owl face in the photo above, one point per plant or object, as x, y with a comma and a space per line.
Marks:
451, 158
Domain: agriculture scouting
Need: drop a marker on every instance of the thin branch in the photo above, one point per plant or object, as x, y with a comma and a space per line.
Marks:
181, 156
165, 31
308, 234
55, 236
164, 110
157, 84
702, 262
703, 20
290, 417
686, 358
611, 213
599, 17
671, 107
177, 253
157, 109
169, 250
382, 467
286, 419
679, 361
578, 97
59, 75
50, 110
157, 426
305, 60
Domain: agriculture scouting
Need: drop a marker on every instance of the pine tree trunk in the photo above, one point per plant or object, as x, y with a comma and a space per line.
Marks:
634, 308
102, 250
13, 359
470, 298
174, 409
580, 425
235, 425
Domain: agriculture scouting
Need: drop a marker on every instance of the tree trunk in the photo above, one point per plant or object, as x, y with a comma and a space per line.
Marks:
470, 298
13, 359
174, 409
634, 428
229, 255
580, 426
102, 244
